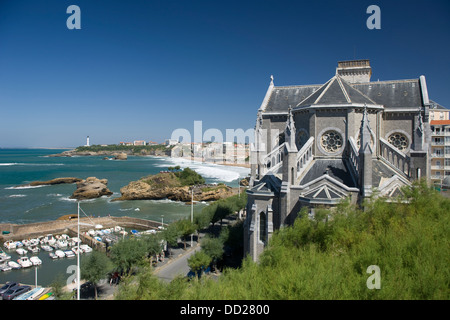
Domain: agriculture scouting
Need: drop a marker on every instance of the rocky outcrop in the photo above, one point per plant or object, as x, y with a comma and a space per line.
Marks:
91, 188
141, 190
53, 181
120, 156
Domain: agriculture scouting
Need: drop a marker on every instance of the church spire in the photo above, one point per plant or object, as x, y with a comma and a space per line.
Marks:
289, 132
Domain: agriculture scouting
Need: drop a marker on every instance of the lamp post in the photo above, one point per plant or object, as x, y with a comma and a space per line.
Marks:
192, 212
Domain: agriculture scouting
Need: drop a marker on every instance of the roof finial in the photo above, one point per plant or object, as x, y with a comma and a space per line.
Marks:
271, 79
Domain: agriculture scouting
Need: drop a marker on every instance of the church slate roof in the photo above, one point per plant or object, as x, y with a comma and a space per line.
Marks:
336, 91
390, 94
336, 169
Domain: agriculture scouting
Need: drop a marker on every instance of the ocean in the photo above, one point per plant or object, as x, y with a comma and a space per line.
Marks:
23, 205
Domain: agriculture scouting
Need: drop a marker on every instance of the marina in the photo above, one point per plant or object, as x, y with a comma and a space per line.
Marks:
51, 247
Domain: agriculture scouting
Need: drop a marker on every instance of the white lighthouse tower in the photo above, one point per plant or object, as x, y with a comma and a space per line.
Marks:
87, 141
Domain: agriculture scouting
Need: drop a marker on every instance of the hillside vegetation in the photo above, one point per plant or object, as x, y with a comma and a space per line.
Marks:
327, 256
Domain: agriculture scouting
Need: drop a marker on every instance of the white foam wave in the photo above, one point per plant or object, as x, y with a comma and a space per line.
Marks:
67, 199
25, 187
17, 196
30, 164
209, 170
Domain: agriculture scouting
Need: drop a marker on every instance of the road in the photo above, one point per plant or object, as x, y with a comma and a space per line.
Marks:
175, 267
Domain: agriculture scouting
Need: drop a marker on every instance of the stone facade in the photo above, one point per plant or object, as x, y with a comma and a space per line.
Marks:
318, 144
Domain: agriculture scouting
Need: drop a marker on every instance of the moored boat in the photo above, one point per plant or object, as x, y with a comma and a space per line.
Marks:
60, 253
69, 253
24, 262
35, 261
21, 251
10, 245
5, 267
46, 248
53, 255
85, 248
14, 265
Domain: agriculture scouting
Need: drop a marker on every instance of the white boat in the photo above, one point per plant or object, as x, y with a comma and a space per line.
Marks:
14, 265
85, 248
60, 253
53, 255
98, 239
69, 253
4, 256
75, 250
10, 244
26, 242
64, 236
21, 251
34, 242
36, 294
30, 295
62, 243
24, 262
5, 267
35, 261
49, 239
118, 228
46, 248
19, 244
34, 249
91, 232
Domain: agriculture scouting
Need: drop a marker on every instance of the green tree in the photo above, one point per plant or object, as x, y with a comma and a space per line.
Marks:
199, 261
95, 267
128, 252
213, 247
185, 228
171, 234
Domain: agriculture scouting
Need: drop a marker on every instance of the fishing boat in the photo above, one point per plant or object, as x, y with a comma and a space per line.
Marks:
46, 248
5, 267
69, 253
85, 248
24, 262
14, 265
53, 255
35, 261
60, 253
34, 249
62, 243
21, 251
10, 244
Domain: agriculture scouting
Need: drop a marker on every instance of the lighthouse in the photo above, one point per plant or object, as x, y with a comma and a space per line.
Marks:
87, 141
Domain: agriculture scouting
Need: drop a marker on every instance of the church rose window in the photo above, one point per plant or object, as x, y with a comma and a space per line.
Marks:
331, 141
398, 140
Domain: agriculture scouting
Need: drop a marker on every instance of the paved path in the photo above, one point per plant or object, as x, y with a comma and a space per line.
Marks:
176, 266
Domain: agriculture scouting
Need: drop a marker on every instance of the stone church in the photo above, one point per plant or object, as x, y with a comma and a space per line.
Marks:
317, 144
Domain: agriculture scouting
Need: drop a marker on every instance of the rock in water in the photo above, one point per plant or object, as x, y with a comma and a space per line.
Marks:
121, 156
91, 188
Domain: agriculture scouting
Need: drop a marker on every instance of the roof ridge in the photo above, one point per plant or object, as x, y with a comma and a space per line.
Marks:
343, 88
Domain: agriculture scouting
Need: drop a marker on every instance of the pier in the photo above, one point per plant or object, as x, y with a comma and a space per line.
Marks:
19, 232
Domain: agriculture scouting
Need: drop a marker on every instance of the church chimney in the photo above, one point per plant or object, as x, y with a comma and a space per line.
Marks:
354, 71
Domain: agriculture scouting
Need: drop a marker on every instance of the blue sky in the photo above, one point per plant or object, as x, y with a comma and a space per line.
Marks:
141, 69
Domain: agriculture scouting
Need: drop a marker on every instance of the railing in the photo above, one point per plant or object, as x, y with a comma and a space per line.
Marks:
273, 160
305, 156
394, 156
354, 156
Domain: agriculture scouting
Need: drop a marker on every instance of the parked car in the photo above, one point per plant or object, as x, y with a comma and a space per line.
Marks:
15, 291
7, 286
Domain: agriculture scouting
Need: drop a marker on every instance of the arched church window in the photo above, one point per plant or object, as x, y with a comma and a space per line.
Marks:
331, 141
399, 140
262, 227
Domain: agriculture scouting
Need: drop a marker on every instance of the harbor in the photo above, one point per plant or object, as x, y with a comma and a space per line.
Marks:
40, 252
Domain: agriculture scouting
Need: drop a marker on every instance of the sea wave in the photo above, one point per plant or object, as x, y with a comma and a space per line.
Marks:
210, 170
25, 187
17, 196
30, 164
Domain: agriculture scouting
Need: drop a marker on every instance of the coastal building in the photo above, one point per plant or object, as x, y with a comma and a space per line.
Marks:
139, 143
440, 142
347, 138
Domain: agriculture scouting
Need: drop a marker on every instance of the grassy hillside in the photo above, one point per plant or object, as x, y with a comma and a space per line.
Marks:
327, 257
